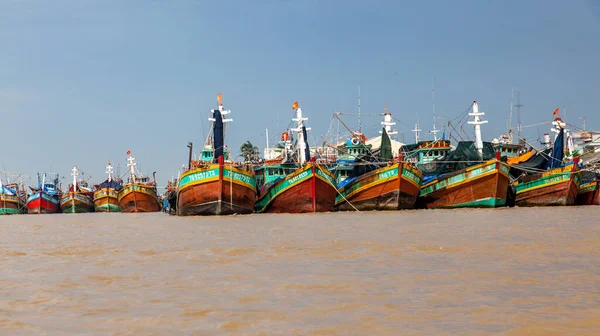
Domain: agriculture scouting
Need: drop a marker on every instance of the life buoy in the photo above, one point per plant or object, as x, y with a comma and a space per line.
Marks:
355, 141
285, 136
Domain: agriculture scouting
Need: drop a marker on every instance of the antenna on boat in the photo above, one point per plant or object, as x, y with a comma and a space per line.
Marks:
477, 122
434, 131
109, 171
359, 128
518, 106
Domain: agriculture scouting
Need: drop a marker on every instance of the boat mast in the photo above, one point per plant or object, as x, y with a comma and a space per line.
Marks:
359, 128
131, 164
477, 122
388, 122
301, 141
109, 171
417, 130
74, 173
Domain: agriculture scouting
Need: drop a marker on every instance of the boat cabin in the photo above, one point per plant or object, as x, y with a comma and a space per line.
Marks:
270, 173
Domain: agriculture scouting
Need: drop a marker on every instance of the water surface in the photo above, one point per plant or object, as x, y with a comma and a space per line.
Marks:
470, 272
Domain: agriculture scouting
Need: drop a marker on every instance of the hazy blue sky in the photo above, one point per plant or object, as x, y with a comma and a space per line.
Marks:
82, 82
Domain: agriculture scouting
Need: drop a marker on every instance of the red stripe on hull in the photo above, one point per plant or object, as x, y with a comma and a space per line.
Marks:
312, 195
41, 205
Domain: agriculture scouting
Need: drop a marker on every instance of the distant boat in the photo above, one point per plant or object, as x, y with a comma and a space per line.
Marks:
78, 198
12, 200
139, 194
215, 185
45, 198
106, 196
557, 185
294, 184
588, 193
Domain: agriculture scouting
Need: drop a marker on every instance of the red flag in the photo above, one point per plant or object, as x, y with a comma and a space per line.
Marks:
295, 105
555, 111
128, 152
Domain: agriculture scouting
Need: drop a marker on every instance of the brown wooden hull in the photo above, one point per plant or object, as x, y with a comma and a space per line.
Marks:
483, 185
211, 191
10, 205
590, 197
558, 187
138, 198
376, 191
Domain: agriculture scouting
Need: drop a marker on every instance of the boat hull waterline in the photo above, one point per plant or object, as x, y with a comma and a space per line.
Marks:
106, 200
216, 189
555, 187
138, 198
481, 186
76, 202
382, 189
309, 189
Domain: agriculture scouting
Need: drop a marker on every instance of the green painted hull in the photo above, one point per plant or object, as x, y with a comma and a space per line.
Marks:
108, 208
75, 209
484, 203
10, 211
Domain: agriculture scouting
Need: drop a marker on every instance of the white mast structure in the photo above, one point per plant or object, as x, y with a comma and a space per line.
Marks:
131, 164
477, 122
434, 131
388, 122
74, 173
301, 141
109, 171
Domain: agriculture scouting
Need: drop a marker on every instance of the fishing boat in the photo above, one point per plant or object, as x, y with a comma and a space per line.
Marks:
472, 175
106, 196
78, 198
139, 194
12, 200
378, 182
558, 184
215, 185
588, 193
295, 183
45, 198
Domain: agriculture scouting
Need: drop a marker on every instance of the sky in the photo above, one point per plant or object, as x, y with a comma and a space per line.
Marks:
83, 81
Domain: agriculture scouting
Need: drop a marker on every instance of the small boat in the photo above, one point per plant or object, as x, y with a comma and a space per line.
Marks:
46, 197
472, 175
12, 200
378, 182
139, 194
78, 198
557, 185
588, 193
214, 185
106, 196
295, 184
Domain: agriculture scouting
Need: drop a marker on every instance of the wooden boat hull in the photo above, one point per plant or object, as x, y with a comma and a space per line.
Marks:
76, 202
588, 194
309, 189
106, 200
11, 205
382, 189
42, 203
482, 186
138, 198
216, 189
556, 187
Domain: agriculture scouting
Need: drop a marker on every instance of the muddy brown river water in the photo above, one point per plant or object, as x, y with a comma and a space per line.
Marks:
444, 272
